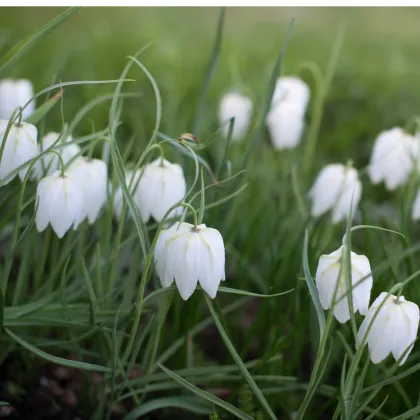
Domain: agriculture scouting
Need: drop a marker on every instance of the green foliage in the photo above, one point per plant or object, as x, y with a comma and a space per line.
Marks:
264, 348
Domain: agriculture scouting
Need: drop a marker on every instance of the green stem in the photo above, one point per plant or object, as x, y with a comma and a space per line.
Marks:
143, 281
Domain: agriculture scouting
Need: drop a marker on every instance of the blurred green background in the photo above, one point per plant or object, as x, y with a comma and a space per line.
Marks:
376, 85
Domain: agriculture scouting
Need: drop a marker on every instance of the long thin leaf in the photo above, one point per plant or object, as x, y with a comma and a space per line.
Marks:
186, 403
210, 69
43, 110
54, 359
238, 361
311, 287
26, 44
207, 396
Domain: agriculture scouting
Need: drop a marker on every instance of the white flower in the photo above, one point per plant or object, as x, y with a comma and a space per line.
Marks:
60, 202
292, 90
285, 123
92, 177
161, 185
332, 270
190, 256
392, 158
13, 94
394, 329
334, 189
21, 146
240, 107
50, 161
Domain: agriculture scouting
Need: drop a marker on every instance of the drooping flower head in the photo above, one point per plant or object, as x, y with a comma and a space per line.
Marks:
92, 177
285, 123
14, 94
330, 275
336, 188
394, 329
60, 202
235, 105
19, 147
162, 184
286, 119
392, 158
188, 256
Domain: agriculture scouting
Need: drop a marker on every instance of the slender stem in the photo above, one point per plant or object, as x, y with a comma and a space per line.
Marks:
193, 213
143, 281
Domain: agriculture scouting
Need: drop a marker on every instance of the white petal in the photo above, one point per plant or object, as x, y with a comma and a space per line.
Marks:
212, 260
285, 124
293, 90
392, 158
326, 277
42, 217
407, 330
380, 336
325, 191
160, 188
362, 282
348, 197
239, 107
187, 277
20, 147
13, 94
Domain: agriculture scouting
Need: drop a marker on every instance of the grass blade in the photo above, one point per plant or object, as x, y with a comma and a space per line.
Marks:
239, 361
186, 403
54, 359
26, 44
206, 395
312, 289
210, 69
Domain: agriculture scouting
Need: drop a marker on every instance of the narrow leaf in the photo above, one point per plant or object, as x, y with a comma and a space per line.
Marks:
27, 44
54, 359
206, 395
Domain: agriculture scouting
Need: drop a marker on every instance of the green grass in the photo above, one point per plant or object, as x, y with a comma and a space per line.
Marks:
76, 296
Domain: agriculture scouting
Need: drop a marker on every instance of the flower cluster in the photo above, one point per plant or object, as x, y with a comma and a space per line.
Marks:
391, 322
73, 188
285, 121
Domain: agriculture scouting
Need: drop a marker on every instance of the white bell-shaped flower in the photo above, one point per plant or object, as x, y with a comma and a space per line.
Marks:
60, 202
240, 107
392, 158
14, 94
293, 90
190, 256
336, 188
161, 185
330, 275
92, 177
20, 147
285, 123
394, 329
50, 162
